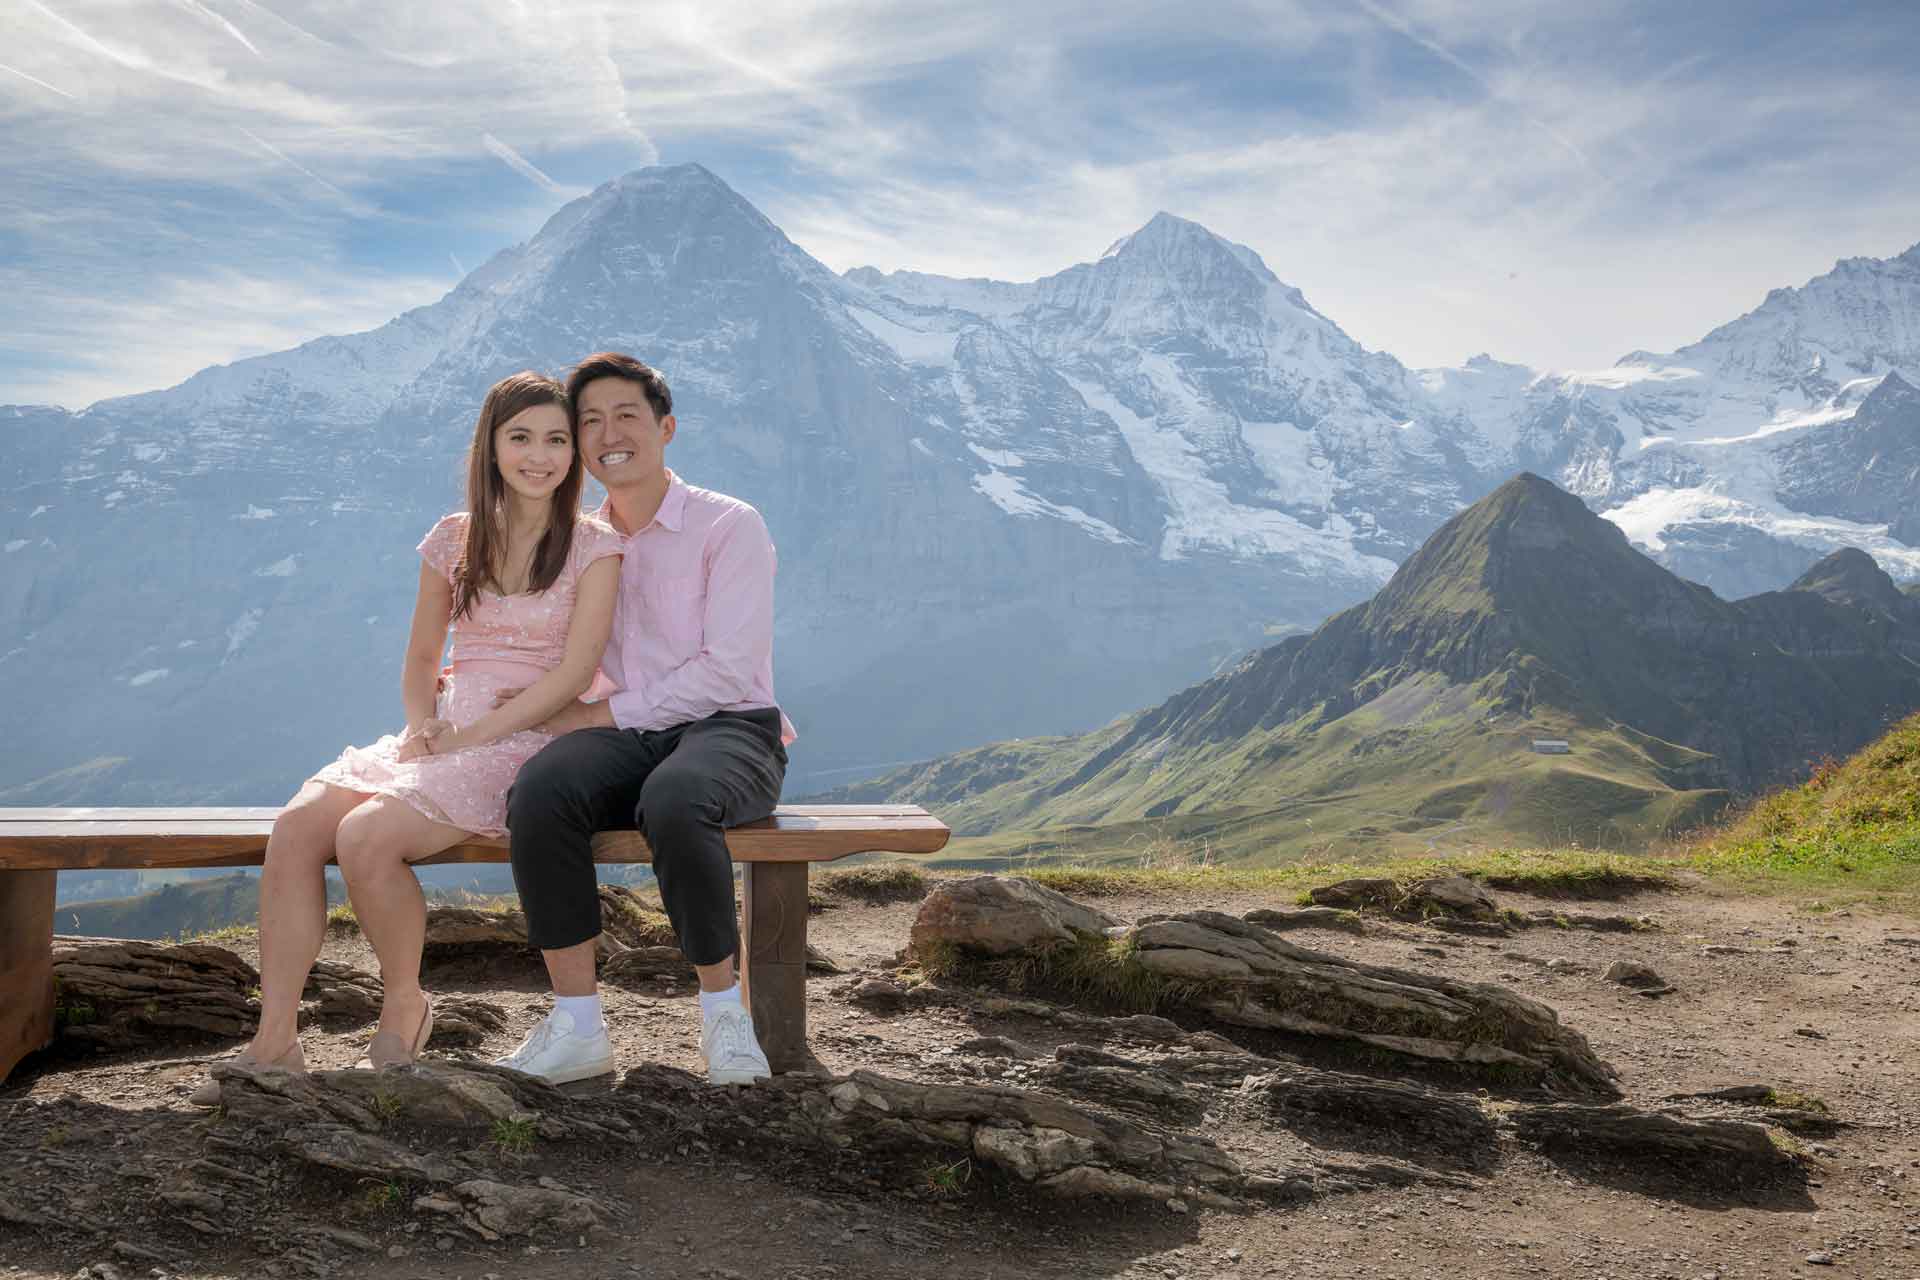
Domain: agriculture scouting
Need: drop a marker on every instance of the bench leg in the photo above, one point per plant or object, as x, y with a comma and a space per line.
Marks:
773, 959
26, 963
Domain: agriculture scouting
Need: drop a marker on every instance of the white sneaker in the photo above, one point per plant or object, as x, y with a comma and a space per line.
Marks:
730, 1049
557, 1054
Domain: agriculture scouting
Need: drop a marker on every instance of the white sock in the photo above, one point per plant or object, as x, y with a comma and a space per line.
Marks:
711, 1001
585, 1011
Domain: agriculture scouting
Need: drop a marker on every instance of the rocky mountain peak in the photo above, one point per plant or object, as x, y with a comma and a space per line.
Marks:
1528, 531
1893, 390
1857, 320
668, 210
1178, 244
1851, 576
1192, 259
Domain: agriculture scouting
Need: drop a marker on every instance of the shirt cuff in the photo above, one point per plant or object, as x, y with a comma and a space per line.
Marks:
630, 710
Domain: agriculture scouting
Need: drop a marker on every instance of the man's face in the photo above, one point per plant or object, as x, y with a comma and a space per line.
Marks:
622, 441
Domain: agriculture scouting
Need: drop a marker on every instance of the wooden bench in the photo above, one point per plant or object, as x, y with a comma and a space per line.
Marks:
36, 844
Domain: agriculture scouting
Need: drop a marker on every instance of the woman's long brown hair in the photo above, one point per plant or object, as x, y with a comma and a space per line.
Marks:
482, 565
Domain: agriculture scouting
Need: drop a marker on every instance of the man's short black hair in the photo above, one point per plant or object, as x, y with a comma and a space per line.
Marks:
615, 364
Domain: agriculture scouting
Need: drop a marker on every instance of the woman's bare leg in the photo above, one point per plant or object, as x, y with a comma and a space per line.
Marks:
293, 908
374, 845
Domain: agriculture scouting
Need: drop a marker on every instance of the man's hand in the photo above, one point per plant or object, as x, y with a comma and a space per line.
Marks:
575, 715
578, 715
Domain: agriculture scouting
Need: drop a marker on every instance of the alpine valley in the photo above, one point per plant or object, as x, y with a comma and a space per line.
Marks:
1526, 677
1002, 510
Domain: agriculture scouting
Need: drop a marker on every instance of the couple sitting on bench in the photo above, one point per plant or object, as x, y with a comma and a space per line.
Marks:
668, 592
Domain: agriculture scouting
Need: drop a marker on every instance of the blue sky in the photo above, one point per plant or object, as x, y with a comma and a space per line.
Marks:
184, 182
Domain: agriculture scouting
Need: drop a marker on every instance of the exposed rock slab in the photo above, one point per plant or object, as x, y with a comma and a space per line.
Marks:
1245, 975
453, 932
341, 993
1336, 918
1724, 1146
1048, 1142
128, 994
1001, 915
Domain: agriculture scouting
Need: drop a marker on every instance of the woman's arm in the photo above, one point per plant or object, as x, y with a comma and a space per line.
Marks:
432, 611
587, 633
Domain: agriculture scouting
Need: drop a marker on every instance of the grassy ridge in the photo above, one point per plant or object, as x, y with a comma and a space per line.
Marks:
1854, 825
176, 910
1423, 769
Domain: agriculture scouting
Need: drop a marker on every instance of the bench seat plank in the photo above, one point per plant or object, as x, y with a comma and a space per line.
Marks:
267, 813
32, 839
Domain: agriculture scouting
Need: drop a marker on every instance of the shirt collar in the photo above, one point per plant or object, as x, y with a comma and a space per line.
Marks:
672, 515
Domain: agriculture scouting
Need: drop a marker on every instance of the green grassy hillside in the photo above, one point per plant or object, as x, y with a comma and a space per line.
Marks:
1404, 726
172, 911
1428, 767
1854, 822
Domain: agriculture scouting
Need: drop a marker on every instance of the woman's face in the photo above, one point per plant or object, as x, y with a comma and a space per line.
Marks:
533, 450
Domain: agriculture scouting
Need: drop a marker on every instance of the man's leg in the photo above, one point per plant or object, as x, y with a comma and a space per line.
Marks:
724, 771
577, 784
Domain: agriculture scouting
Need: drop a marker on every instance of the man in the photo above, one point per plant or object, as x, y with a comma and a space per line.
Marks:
690, 743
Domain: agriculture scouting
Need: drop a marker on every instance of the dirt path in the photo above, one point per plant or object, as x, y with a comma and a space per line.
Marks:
1824, 1005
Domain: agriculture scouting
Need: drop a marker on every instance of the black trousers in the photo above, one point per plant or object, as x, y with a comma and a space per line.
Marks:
680, 787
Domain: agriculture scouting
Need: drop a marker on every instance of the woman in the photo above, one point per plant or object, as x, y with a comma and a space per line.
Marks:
525, 585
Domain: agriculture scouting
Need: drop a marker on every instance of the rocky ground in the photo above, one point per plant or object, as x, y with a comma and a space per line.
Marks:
1017, 1119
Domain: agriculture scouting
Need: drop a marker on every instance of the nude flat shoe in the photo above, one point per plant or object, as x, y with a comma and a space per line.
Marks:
208, 1094
389, 1050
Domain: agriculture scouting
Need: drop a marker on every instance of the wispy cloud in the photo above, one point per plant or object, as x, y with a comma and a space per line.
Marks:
170, 326
290, 162
1395, 22
519, 163
1440, 176
36, 80
194, 6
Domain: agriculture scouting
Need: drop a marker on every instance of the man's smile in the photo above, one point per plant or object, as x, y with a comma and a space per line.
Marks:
616, 457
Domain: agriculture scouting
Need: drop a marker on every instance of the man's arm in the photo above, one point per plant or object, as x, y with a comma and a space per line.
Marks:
736, 636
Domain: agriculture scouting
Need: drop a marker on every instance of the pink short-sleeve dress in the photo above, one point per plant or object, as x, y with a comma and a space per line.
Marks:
503, 642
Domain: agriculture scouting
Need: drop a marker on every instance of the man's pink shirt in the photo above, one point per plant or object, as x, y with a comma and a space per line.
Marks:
693, 630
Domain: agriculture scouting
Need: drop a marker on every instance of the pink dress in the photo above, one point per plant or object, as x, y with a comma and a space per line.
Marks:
504, 642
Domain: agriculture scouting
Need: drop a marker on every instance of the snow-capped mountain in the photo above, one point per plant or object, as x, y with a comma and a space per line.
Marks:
1744, 457
1002, 509
1739, 460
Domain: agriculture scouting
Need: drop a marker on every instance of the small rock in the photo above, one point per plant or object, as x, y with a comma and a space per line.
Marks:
397, 1251
877, 993
1631, 973
1176, 1205
1810, 1033
1560, 964
1820, 1258
137, 1253
1211, 1042
997, 1047
347, 1239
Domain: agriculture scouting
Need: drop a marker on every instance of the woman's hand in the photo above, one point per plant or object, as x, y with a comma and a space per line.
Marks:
433, 737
